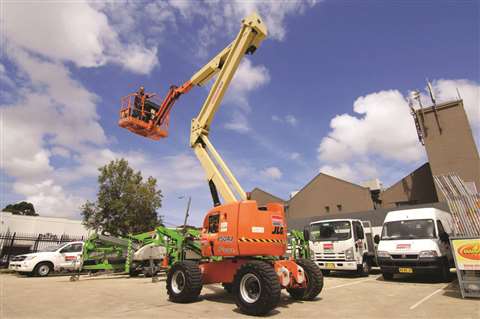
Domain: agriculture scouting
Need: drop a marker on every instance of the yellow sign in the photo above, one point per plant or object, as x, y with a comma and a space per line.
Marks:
467, 253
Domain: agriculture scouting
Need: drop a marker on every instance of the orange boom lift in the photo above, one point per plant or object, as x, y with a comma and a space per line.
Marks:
243, 245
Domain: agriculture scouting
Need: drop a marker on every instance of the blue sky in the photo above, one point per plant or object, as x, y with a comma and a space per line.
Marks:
325, 92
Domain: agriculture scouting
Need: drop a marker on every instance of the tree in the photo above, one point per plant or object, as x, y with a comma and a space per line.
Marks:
21, 208
126, 204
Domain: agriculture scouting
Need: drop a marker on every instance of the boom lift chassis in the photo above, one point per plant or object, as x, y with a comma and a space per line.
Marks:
242, 245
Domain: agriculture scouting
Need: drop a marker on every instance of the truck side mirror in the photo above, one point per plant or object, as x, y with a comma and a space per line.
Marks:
376, 239
306, 234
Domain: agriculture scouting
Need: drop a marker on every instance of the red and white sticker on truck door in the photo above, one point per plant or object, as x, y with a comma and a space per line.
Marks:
277, 221
403, 246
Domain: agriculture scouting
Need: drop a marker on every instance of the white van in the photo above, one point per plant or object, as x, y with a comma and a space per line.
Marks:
416, 241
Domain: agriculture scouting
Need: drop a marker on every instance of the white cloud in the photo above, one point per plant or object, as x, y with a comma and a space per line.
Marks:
287, 119
295, 156
73, 32
382, 133
49, 198
238, 123
372, 133
247, 79
272, 172
470, 93
292, 120
227, 17
352, 172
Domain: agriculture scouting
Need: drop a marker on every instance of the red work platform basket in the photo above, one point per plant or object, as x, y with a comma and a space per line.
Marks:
138, 115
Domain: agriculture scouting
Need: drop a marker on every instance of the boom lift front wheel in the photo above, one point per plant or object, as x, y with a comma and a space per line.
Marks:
256, 288
184, 281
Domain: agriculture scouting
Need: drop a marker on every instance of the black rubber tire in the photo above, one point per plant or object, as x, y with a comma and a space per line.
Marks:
37, 270
314, 279
387, 275
228, 287
134, 273
270, 288
364, 269
192, 285
325, 272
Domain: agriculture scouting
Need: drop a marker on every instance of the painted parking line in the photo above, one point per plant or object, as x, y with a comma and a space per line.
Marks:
350, 283
427, 297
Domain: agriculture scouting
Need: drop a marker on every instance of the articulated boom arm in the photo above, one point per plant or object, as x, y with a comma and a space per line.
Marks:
220, 177
224, 65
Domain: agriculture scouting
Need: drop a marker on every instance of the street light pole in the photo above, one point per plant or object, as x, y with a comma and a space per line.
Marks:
186, 214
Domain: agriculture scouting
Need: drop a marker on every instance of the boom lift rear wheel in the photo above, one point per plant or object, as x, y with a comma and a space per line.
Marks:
256, 288
314, 279
184, 282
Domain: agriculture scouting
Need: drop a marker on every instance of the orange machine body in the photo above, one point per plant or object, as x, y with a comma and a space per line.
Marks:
242, 229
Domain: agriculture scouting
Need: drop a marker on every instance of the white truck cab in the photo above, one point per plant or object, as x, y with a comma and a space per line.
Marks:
343, 244
416, 241
55, 258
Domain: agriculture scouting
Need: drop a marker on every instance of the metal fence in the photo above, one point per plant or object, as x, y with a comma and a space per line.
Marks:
12, 244
464, 206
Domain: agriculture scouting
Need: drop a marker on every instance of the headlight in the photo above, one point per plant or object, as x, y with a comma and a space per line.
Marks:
427, 254
349, 254
30, 258
383, 254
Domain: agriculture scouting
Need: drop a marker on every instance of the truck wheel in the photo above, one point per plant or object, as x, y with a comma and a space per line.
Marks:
387, 275
256, 288
228, 287
314, 278
42, 269
364, 269
184, 282
445, 272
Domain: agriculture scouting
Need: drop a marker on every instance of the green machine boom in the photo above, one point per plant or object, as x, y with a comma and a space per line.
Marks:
298, 245
145, 253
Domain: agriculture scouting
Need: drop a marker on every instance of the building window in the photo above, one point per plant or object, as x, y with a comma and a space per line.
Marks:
327, 209
339, 207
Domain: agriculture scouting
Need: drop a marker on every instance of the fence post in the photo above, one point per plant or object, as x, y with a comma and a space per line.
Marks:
35, 246
10, 248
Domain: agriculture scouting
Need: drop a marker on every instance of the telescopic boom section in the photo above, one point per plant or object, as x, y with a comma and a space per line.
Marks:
221, 180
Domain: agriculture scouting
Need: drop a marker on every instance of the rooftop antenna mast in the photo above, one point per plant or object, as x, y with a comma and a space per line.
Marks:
415, 95
434, 106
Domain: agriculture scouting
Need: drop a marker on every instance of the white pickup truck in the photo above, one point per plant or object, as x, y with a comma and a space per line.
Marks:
55, 258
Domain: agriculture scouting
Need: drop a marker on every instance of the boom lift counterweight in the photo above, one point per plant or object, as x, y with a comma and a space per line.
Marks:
243, 246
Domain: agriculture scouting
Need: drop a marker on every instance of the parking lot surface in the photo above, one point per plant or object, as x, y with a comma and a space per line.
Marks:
114, 296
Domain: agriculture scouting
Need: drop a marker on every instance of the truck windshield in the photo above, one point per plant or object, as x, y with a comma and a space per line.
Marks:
330, 231
409, 229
